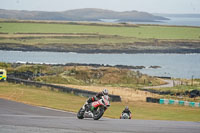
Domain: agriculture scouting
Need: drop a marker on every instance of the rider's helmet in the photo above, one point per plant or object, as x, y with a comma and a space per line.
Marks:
105, 92
126, 108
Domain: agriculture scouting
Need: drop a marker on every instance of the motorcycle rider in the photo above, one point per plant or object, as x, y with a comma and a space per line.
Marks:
95, 98
126, 110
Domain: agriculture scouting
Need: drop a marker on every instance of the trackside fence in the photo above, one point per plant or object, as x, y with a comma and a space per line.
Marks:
79, 92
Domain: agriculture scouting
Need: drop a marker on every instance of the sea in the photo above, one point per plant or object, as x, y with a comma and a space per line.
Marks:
171, 65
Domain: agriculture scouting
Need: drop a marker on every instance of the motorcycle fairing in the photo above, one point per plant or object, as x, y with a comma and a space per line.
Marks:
96, 103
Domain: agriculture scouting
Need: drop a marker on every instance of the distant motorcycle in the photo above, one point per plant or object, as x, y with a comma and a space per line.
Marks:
95, 109
125, 116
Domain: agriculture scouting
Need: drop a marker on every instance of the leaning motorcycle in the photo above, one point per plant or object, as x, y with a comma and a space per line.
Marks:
95, 109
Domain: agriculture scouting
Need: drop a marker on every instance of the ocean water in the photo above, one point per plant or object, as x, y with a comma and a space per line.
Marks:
172, 65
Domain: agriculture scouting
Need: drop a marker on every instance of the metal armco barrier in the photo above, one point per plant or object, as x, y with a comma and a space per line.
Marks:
79, 92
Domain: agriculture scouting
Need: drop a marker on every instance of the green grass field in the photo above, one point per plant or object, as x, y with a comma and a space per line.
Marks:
78, 37
69, 102
157, 32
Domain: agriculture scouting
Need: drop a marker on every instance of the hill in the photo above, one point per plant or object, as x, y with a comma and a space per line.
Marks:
86, 14
178, 15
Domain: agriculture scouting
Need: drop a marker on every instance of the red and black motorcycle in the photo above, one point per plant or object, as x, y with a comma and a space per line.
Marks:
95, 109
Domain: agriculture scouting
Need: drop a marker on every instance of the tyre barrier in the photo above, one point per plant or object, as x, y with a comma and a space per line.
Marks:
79, 92
172, 102
152, 100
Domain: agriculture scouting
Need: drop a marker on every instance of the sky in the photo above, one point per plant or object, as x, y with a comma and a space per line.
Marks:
151, 6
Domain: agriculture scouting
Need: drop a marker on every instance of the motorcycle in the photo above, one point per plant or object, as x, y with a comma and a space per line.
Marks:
95, 109
125, 116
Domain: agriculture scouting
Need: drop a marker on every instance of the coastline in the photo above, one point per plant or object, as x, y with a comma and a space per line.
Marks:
104, 51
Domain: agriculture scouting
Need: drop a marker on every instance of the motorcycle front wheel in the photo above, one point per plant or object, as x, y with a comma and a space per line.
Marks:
80, 114
98, 113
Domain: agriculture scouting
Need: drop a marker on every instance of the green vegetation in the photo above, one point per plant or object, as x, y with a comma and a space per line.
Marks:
69, 102
67, 39
82, 75
40, 96
89, 37
142, 31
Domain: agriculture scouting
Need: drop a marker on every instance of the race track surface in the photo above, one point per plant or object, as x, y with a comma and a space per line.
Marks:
21, 118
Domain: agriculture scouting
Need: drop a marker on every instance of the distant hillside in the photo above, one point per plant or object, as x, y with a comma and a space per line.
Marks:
87, 14
178, 15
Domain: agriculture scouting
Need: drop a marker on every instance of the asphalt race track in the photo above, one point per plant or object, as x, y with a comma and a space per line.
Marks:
21, 118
